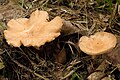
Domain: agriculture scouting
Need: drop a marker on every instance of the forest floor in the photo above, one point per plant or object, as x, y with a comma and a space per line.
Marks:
62, 59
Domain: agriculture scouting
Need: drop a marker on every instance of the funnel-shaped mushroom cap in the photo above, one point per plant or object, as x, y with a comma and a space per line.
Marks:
35, 31
98, 43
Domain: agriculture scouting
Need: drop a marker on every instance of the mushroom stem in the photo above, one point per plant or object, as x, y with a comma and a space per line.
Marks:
93, 56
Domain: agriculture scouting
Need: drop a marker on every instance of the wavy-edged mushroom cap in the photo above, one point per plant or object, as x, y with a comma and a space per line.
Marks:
98, 43
35, 31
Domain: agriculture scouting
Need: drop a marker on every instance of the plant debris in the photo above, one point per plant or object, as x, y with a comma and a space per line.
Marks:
61, 58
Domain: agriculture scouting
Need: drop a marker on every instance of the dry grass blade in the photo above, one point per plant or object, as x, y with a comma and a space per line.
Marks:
113, 15
70, 72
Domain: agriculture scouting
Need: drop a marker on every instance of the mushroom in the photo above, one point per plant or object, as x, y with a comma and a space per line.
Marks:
35, 31
99, 43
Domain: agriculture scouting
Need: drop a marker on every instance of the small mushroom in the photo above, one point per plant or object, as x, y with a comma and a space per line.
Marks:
35, 31
99, 43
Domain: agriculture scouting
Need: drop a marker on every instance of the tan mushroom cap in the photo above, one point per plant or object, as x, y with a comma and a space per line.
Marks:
35, 31
98, 43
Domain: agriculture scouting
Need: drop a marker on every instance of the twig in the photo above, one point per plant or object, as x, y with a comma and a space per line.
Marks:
22, 66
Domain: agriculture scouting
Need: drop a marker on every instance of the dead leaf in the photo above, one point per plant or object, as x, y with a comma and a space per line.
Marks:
96, 76
107, 78
61, 57
68, 28
100, 72
114, 55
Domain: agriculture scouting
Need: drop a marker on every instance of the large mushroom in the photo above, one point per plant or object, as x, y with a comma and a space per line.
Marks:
35, 31
99, 43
